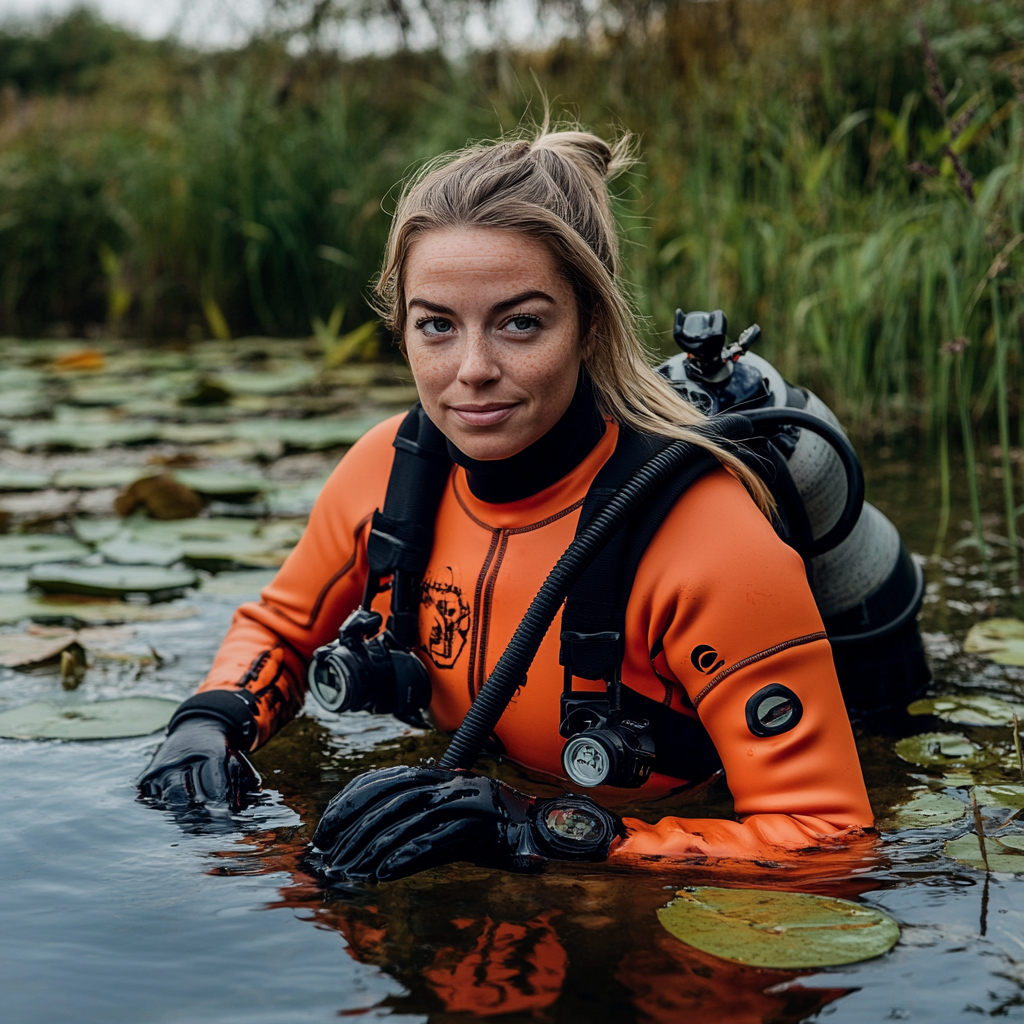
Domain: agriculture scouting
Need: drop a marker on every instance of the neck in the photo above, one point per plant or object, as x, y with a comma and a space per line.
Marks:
545, 461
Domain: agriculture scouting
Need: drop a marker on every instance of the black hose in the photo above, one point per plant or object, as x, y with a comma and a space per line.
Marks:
510, 672
847, 456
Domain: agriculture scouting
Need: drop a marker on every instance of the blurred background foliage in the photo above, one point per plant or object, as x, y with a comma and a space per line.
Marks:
800, 166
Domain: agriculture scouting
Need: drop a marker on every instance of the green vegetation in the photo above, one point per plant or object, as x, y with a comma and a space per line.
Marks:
801, 166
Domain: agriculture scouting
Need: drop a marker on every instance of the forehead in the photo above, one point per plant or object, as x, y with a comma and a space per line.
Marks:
479, 257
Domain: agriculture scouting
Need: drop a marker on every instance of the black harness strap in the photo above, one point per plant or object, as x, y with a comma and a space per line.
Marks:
594, 617
402, 534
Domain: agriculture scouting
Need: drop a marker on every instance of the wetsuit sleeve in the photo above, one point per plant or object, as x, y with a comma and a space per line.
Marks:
270, 641
730, 605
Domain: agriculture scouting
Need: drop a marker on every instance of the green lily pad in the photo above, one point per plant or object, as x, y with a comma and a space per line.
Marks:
23, 480
1000, 795
927, 809
939, 749
223, 541
93, 479
271, 381
295, 499
100, 720
86, 612
111, 580
125, 550
238, 586
309, 434
1004, 854
213, 482
23, 402
34, 548
81, 435
96, 531
999, 640
778, 929
969, 710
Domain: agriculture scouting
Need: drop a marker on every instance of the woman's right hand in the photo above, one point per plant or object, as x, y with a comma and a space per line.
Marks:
197, 767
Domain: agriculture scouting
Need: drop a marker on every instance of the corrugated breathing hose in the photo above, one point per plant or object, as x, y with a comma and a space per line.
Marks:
510, 672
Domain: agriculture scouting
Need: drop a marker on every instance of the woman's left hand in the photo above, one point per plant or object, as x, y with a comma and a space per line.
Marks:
394, 822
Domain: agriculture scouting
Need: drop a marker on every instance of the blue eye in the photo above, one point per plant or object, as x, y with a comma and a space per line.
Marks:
523, 323
435, 325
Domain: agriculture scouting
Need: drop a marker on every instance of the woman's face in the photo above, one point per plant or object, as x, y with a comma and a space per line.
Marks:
492, 335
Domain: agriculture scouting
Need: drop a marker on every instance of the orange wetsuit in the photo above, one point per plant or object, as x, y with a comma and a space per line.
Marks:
715, 576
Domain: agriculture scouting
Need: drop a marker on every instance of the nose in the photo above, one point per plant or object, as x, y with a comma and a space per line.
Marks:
478, 366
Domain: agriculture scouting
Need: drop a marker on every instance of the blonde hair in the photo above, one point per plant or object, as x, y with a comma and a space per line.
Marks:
553, 187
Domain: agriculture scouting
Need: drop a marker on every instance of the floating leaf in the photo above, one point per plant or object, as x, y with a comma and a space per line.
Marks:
238, 586
928, 809
19, 650
100, 720
280, 379
778, 929
1000, 795
1005, 853
222, 541
35, 548
999, 640
969, 710
310, 434
93, 479
82, 435
939, 749
96, 531
111, 580
86, 612
23, 480
161, 496
126, 550
211, 481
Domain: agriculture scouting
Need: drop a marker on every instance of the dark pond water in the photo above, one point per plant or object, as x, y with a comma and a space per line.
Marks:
112, 912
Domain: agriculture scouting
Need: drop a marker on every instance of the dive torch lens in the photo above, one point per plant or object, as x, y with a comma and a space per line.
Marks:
329, 680
586, 761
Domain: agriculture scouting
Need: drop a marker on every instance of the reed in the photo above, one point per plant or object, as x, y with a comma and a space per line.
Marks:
803, 166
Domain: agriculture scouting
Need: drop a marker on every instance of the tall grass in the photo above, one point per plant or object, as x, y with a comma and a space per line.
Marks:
799, 168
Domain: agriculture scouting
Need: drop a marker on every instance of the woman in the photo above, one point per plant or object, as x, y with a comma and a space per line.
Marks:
501, 279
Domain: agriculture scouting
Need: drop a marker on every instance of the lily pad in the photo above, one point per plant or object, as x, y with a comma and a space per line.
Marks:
96, 531
778, 929
19, 650
85, 611
222, 541
1004, 854
99, 720
309, 434
927, 809
211, 481
999, 640
126, 550
939, 749
969, 710
82, 435
23, 480
111, 580
35, 548
238, 586
1000, 795
93, 479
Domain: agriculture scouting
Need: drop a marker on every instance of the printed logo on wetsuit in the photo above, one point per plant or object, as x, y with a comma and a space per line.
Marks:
705, 659
448, 621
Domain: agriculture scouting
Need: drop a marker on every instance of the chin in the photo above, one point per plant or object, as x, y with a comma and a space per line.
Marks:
486, 447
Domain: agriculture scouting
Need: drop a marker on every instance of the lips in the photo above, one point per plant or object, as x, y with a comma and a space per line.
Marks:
487, 414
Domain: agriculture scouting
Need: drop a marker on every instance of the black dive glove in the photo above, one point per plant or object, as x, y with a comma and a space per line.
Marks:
391, 823
199, 767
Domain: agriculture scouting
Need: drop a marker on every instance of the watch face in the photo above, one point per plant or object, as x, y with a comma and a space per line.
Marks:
574, 824
773, 710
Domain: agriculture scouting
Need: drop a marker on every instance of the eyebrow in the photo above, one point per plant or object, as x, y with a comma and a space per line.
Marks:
498, 307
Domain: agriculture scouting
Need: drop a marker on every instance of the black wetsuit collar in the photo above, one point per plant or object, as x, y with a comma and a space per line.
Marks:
545, 461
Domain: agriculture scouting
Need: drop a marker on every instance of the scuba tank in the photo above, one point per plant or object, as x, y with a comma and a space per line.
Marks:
867, 587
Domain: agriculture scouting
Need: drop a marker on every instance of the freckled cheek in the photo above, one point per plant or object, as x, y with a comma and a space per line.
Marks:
432, 370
